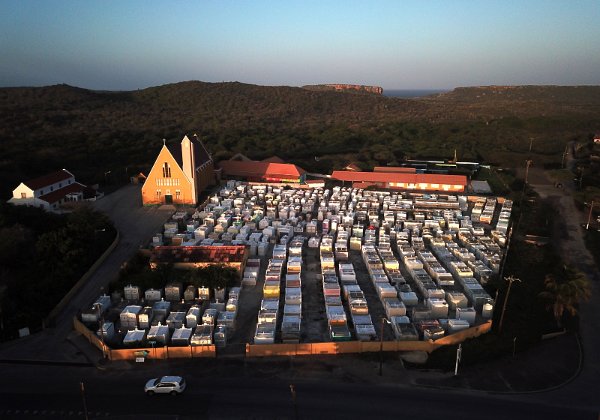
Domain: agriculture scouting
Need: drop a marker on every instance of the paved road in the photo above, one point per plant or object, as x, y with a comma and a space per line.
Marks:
136, 224
119, 394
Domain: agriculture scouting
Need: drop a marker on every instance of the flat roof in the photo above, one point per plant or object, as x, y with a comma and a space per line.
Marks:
399, 177
198, 254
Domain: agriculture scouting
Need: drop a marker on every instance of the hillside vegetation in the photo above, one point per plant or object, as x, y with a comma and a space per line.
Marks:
93, 132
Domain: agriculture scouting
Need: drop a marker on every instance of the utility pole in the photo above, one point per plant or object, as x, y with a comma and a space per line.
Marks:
294, 403
383, 320
530, 143
505, 256
587, 226
528, 163
562, 165
100, 317
510, 279
85, 411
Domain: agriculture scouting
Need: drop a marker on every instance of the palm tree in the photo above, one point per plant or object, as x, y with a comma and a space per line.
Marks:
565, 290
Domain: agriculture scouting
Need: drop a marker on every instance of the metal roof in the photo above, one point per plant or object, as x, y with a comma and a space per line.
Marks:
399, 177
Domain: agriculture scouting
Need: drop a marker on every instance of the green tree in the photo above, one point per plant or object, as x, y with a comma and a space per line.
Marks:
564, 290
214, 276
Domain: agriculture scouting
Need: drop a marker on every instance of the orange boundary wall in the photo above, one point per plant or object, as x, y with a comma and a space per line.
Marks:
301, 349
305, 349
152, 353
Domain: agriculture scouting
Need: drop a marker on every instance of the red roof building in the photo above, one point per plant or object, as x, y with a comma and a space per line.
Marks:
401, 169
49, 179
188, 257
255, 171
404, 181
50, 191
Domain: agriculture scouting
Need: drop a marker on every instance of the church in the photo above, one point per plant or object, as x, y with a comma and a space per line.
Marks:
179, 174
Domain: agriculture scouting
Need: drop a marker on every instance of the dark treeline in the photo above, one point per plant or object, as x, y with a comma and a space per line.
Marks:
93, 132
42, 255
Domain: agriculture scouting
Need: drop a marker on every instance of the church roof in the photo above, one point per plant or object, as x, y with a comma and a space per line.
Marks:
201, 155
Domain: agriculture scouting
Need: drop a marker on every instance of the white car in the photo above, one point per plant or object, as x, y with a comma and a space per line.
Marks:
166, 385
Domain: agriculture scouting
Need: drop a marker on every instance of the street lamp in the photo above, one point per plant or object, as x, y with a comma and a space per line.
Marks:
458, 357
510, 279
383, 320
106, 177
587, 226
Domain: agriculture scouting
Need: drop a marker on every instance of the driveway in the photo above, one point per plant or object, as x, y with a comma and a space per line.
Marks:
136, 225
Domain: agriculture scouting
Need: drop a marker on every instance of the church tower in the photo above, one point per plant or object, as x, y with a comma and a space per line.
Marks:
189, 164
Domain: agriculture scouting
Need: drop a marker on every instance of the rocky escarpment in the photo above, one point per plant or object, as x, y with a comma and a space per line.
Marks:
338, 87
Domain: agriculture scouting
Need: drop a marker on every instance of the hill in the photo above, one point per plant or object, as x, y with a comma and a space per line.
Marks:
92, 132
522, 101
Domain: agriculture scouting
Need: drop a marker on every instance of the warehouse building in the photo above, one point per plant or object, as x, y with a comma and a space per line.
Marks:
403, 180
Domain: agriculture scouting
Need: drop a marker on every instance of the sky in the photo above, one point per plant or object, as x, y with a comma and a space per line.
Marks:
397, 44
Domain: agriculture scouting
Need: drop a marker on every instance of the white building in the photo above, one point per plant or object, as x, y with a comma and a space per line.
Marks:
49, 191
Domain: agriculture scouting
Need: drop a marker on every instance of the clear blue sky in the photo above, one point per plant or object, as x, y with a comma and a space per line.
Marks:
403, 44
